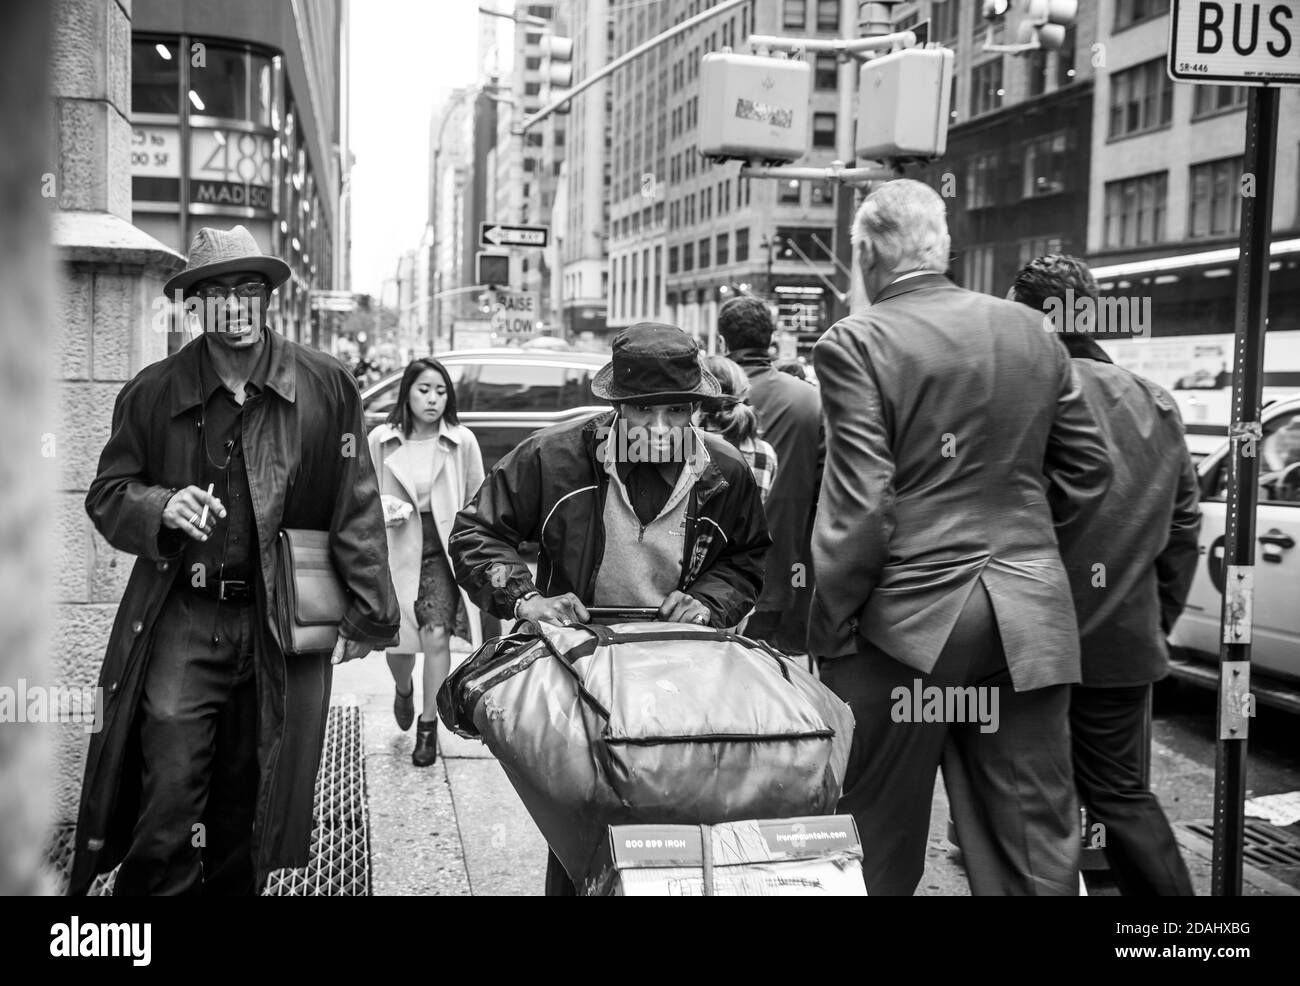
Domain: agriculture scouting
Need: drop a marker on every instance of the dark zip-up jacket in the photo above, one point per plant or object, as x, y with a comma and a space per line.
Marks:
551, 490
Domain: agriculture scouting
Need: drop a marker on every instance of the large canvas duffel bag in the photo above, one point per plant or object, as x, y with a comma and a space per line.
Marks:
652, 723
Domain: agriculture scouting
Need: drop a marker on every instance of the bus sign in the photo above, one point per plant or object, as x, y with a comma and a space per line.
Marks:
1242, 43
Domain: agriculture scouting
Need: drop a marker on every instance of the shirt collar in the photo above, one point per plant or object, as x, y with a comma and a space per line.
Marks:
211, 380
910, 273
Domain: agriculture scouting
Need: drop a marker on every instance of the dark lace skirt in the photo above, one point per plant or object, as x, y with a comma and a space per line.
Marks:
438, 603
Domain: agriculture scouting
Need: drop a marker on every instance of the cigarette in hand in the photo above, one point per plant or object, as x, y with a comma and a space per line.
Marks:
203, 517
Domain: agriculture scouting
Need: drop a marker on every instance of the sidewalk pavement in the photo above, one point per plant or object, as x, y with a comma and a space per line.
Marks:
458, 828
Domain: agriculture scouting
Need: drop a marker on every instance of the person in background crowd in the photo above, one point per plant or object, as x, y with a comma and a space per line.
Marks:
790, 418
429, 465
733, 417
794, 368
211, 728
1131, 565
633, 507
956, 438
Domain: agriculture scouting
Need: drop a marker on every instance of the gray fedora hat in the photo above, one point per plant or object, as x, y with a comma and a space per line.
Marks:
217, 252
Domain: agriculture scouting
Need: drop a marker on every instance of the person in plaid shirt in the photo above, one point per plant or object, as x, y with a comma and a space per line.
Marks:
732, 417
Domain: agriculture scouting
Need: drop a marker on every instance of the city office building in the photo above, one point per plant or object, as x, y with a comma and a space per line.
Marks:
1016, 171
527, 168
580, 221
1167, 182
236, 118
686, 234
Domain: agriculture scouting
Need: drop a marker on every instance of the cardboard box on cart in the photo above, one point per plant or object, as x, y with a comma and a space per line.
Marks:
812, 856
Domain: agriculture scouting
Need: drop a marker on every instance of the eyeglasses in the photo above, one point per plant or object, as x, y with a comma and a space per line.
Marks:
219, 292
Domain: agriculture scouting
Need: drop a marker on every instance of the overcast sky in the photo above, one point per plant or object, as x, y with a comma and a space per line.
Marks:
407, 55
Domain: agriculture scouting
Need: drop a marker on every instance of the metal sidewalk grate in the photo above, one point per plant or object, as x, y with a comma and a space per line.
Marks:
340, 840
340, 851
1265, 845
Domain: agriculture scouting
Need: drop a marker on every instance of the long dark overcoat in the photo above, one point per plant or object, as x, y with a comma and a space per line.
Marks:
308, 467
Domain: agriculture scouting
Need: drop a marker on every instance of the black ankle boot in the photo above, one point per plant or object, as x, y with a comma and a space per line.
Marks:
404, 708
425, 753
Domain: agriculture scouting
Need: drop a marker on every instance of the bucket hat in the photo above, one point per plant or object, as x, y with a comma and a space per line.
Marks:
654, 363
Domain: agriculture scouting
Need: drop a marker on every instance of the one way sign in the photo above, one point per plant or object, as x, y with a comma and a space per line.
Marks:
500, 234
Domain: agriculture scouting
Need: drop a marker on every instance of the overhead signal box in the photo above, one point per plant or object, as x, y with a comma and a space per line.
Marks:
754, 107
903, 104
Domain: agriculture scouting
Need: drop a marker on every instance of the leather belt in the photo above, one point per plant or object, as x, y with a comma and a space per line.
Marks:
239, 591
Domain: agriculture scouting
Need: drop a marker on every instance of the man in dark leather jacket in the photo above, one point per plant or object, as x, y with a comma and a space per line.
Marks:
631, 508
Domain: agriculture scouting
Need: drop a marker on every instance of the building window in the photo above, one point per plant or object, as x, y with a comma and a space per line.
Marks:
828, 15
823, 130
795, 14
1065, 73
943, 22
981, 181
1130, 12
688, 257
1041, 246
823, 192
1045, 166
825, 73
986, 87
704, 253
742, 245
721, 250
1215, 194
236, 85
1208, 100
672, 260
1036, 72
1135, 210
979, 269
789, 191
1141, 99
155, 77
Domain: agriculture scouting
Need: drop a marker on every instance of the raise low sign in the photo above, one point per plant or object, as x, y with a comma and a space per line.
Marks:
515, 313
1245, 43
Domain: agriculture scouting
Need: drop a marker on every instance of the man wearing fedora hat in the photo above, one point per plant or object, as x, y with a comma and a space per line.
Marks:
201, 779
633, 507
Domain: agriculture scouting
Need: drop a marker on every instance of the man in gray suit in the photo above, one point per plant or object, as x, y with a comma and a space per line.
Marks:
1131, 567
956, 438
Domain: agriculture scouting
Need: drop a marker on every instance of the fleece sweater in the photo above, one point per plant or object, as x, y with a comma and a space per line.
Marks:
642, 563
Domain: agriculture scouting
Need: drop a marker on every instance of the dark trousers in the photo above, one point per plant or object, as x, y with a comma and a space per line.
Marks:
1011, 789
198, 743
1107, 729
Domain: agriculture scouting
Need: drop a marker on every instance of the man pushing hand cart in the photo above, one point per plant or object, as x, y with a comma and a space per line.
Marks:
631, 508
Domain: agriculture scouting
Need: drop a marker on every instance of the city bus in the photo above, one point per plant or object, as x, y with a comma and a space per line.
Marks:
1188, 348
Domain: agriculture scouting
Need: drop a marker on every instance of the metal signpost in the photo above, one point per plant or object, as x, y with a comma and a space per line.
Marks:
1204, 49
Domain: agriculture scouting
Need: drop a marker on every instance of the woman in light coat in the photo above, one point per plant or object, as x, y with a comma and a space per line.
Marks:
429, 466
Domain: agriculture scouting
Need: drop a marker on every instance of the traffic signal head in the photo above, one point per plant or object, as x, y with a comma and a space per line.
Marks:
557, 67
492, 269
752, 106
903, 104
1047, 20
557, 61
995, 9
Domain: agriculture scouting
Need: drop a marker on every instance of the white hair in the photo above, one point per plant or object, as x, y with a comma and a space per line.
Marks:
903, 223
